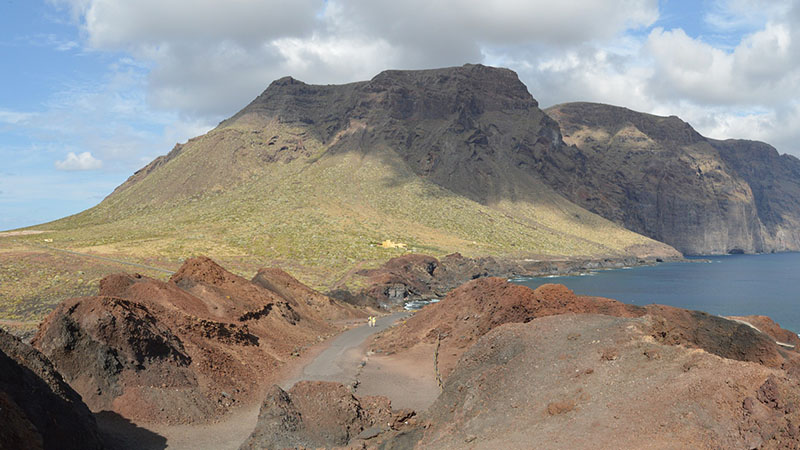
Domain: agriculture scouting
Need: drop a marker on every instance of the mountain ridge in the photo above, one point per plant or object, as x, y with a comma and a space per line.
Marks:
440, 160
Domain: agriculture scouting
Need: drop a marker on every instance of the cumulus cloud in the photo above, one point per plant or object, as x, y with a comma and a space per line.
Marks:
83, 161
210, 58
760, 70
206, 59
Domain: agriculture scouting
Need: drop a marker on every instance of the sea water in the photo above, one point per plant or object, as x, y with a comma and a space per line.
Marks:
730, 285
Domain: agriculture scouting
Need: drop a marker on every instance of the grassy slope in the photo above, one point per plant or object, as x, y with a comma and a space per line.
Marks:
322, 216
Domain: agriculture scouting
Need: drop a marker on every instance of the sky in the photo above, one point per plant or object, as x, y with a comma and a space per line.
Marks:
92, 90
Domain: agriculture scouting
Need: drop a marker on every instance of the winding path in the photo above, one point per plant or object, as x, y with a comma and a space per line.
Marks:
340, 360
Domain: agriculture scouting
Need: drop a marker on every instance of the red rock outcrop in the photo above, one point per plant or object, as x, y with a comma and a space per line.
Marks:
182, 350
472, 310
595, 381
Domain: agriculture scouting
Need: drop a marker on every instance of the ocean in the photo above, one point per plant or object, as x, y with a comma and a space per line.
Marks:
729, 285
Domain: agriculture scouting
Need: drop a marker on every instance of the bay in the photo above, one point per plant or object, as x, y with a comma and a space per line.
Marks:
726, 285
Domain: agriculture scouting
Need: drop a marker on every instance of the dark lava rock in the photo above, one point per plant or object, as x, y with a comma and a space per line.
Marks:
422, 277
318, 414
37, 408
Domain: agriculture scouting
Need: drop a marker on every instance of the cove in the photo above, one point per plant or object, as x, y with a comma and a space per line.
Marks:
727, 285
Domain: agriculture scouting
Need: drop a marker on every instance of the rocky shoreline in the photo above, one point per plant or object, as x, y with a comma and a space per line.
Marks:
415, 277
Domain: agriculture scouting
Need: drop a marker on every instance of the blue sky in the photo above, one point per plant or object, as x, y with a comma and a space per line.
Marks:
92, 90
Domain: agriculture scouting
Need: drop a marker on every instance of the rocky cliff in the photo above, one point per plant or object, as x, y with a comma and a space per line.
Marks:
659, 177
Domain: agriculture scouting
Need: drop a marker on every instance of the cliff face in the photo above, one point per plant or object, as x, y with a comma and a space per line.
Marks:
774, 180
659, 177
474, 130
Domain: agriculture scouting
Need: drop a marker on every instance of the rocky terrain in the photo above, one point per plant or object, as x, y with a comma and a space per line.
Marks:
424, 277
657, 176
545, 368
472, 310
322, 414
38, 410
596, 381
185, 350
518, 367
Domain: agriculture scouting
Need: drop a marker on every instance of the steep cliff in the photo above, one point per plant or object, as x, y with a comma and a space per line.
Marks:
659, 177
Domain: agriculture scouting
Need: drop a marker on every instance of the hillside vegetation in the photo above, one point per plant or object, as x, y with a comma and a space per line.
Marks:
317, 176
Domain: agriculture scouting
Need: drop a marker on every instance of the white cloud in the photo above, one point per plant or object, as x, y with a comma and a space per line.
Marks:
14, 117
205, 59
209, 58
83, 161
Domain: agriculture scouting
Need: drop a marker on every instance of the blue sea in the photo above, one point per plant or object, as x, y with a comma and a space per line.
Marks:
730, 285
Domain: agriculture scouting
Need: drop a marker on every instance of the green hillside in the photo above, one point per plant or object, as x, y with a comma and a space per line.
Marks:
263, 188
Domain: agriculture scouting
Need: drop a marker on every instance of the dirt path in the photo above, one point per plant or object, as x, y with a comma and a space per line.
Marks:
337, 360
341, 359
407, 380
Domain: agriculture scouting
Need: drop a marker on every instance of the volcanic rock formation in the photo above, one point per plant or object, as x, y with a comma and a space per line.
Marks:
472, 310
38, 410
657, 176
595, 381
423, 277
317, 414
545, 368
183, 350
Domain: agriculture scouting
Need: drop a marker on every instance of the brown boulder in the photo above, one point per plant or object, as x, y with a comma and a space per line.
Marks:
320, 414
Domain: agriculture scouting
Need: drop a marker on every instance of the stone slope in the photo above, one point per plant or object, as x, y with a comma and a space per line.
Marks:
184, 350
319, 414
659, 177
592, 381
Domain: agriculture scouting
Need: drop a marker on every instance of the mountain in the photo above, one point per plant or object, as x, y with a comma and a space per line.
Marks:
659, 177
434, 161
